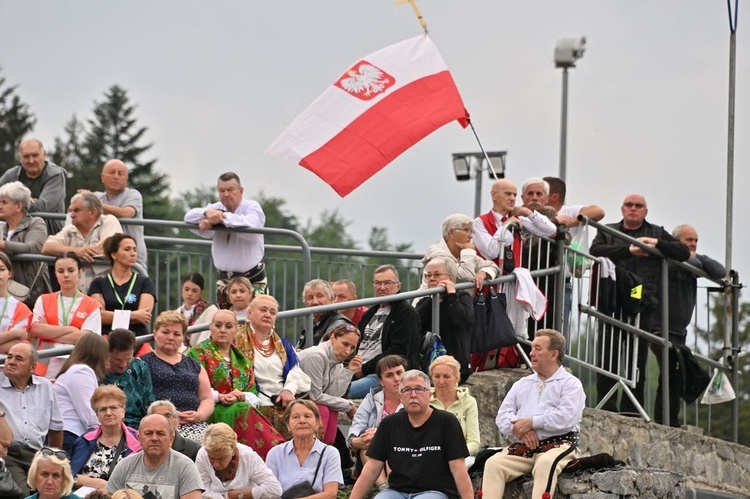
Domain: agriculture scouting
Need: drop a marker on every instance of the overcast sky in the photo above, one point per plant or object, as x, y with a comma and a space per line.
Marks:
216, 82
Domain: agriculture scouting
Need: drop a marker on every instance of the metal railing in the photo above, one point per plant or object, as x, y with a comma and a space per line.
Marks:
170, 258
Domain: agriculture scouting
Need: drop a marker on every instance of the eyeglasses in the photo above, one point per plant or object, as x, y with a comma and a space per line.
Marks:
465, 230
436, 275
104, 410
637, 206
59, 454
378, 284
419, 390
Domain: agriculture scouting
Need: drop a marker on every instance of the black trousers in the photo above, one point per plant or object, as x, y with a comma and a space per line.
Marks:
675, 383
18, 462
619, 343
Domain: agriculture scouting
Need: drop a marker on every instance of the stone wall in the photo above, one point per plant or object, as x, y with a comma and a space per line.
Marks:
705, 462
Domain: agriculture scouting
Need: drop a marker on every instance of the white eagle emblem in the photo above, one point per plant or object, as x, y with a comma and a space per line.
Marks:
365, 80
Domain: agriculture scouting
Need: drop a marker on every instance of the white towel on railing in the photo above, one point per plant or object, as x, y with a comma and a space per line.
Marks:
524, 300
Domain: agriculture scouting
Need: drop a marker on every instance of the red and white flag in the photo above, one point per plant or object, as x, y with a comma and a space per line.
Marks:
381, 106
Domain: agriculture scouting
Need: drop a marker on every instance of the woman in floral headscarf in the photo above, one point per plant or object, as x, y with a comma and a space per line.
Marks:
233, 385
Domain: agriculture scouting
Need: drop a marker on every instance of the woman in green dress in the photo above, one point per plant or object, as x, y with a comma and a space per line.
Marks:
233, 385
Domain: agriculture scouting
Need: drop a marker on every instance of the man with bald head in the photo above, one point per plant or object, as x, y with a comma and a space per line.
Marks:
683, 288
488, 227
45, 180
123, 202
648, 268
157, 472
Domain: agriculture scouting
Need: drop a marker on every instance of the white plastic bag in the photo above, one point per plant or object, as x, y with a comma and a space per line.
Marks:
578, 264
719, 389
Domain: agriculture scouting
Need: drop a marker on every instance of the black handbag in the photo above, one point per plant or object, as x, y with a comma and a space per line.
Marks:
492, 327
694, 379
8, 486
303, 489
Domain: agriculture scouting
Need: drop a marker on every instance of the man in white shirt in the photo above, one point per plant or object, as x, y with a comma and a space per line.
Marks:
90, 227
541, 415
234, 253
29, 406
488, 228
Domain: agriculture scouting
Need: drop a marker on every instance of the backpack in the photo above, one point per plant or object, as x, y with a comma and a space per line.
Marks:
430, 348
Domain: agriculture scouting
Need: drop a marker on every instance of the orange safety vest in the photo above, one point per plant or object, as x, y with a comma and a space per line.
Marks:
52, 315
20, 312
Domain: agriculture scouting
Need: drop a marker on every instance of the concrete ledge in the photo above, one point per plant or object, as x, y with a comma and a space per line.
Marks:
656, 450
611, 484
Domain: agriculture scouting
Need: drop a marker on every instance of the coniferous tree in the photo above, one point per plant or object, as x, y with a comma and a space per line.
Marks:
113, 132
16, 121
69, 153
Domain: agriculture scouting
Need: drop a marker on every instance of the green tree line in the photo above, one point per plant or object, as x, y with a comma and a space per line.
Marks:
112, 130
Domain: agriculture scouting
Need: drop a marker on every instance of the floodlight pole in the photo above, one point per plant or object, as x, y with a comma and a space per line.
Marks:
564, 124
478, 192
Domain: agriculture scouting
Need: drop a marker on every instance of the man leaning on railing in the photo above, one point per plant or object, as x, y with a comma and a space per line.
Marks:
234, 253
648, 268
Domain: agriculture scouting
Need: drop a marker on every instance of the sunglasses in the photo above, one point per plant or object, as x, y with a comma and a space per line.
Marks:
59, 454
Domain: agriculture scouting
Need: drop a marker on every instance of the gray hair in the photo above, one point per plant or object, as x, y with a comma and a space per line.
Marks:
90, 201
318, 283
162, 403
534, 181
414, 374
386, 268
166, 403
676, 232
448, 265
556, 342
16, 192
455, 221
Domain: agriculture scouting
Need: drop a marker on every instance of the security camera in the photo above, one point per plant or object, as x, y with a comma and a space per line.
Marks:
568, 51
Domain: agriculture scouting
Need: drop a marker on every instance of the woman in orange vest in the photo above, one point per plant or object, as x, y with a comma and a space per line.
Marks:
60, 318
14, 315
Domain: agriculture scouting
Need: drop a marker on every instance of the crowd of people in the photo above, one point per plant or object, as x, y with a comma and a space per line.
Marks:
238, 410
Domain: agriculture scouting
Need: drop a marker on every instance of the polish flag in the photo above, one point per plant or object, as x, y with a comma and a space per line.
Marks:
381, 106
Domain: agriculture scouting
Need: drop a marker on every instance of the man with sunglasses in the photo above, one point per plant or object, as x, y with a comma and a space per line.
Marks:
424, 447
29, 405
647, 268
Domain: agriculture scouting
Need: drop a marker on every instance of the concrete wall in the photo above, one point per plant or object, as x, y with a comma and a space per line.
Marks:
704, 462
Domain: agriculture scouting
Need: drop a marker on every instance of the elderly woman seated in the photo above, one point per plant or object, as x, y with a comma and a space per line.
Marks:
456, 245
233, 385
96, 453
50, 475
305, 464
456, 312
24, 234
230, 470
278, 376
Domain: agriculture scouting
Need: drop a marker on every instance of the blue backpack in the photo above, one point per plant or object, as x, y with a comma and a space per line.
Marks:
430, 349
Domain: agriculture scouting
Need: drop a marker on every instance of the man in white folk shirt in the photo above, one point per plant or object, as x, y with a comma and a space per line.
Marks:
541, 414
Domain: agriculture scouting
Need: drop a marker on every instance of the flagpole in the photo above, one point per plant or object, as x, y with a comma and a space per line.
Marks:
417, 13
484, 153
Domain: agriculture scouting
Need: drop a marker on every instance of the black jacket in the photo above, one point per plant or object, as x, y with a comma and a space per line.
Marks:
456, 326
647, 268
400, 335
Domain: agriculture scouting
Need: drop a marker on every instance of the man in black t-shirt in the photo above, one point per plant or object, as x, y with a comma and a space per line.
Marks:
424, 447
